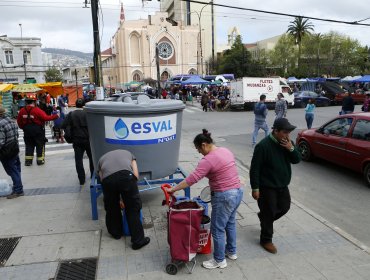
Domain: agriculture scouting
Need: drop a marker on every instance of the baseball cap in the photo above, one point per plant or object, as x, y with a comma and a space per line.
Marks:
283, 124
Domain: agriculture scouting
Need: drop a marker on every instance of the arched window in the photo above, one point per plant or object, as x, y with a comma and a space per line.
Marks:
136, 77
165, 76
27, 57
192, 71
134, 49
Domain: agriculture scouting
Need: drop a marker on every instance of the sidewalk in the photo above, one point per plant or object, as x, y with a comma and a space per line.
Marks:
53, 224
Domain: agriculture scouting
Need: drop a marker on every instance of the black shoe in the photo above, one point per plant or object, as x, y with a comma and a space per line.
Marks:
117, 237
138, 246
15, 195
28, 163
40, 162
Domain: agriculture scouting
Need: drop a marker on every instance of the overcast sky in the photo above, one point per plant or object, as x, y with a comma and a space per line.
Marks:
66, 24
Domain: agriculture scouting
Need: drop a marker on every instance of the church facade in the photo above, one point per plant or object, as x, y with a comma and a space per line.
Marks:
133, 50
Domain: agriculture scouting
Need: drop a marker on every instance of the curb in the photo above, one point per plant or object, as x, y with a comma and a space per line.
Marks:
330, 225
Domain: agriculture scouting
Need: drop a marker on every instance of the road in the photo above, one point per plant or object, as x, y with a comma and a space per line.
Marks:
337, 194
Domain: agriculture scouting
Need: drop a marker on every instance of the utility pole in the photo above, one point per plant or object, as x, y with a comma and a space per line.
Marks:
24, 58
97, 61
158, 74
213, 37
76, 82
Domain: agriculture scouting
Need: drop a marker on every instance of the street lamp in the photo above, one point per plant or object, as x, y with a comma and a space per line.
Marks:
200, 34
24, 59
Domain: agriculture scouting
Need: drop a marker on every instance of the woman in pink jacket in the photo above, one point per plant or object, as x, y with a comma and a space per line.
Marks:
218, 165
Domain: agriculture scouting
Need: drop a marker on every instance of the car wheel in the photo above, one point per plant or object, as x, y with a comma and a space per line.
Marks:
305, 150
367, 174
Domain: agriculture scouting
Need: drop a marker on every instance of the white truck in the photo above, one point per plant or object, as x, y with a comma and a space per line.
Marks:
245, 92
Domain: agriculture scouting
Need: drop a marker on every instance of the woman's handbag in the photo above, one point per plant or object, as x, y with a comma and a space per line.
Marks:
9, 150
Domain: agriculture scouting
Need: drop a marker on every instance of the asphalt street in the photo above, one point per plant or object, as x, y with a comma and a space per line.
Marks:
335, 193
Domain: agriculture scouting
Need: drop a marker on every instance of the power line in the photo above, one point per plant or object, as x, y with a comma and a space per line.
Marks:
280, 14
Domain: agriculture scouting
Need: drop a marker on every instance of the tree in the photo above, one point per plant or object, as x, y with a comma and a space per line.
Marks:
281, 60
53, 75
298, 28
237, 60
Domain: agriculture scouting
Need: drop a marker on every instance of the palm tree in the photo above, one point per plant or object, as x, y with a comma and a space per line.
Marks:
298, 28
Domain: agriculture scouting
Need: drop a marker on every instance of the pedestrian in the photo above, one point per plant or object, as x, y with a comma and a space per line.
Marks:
80, 139
9, 153
32, 120
218, 165
61, 103
204, 101
281, 107
119, 173
366, 105
58, 131
260, 113
310, 112
348, 105
270, 175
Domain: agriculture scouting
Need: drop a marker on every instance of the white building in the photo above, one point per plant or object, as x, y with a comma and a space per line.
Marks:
190, 13
20, 60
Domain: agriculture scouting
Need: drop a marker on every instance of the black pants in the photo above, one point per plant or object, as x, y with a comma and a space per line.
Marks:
34, 136
80, 149
123, 184
273, 204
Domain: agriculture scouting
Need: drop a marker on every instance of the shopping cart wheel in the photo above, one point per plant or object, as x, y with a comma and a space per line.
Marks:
171, 269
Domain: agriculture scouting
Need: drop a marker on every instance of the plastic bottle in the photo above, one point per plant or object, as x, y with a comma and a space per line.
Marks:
5, 188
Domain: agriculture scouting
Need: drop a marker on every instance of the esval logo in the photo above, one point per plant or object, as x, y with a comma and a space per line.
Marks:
140, 130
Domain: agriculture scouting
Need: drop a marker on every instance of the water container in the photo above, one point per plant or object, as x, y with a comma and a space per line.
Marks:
148, 128
5, 188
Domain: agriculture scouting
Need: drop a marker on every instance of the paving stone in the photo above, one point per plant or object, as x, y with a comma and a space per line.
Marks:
39, 271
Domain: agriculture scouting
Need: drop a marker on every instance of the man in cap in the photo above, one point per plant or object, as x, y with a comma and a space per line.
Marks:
9, 152
32, 120
270, 175
281, 106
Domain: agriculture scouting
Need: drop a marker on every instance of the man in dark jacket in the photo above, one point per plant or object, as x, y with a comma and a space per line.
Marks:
348, 105
270, 175
80, 139
9, 153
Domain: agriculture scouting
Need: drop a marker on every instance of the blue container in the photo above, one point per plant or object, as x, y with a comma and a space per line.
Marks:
126, 230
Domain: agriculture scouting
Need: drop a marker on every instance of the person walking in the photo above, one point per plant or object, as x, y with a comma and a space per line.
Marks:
9, 153
119, 173
80, 139
62, 104
310, 112
270, 174
348, 105
218, 165
260, 113
281, 107
204, 101
366, 105
32, 120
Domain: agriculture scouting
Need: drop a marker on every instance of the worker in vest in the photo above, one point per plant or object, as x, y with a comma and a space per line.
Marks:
32, 120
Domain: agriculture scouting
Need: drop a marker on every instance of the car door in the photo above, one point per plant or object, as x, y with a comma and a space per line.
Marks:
358, 146
330, 144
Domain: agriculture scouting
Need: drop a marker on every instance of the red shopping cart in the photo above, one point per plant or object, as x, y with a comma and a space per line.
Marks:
184, 219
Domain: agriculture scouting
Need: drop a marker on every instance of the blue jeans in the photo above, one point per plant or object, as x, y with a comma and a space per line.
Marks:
257, 128
224, 206
309, 120
12, 167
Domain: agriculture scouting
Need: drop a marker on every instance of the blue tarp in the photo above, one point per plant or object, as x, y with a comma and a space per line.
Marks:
363, 79
194, 80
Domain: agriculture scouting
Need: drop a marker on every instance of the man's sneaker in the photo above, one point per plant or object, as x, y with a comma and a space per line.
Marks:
15, 195
231, 256
211, 264
40, 162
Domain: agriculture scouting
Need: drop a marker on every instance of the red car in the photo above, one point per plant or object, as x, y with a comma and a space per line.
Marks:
344, 140
358, 97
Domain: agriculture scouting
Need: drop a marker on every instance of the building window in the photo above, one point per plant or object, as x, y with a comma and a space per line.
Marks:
165, 76
27, 57
136, 77
9, 57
